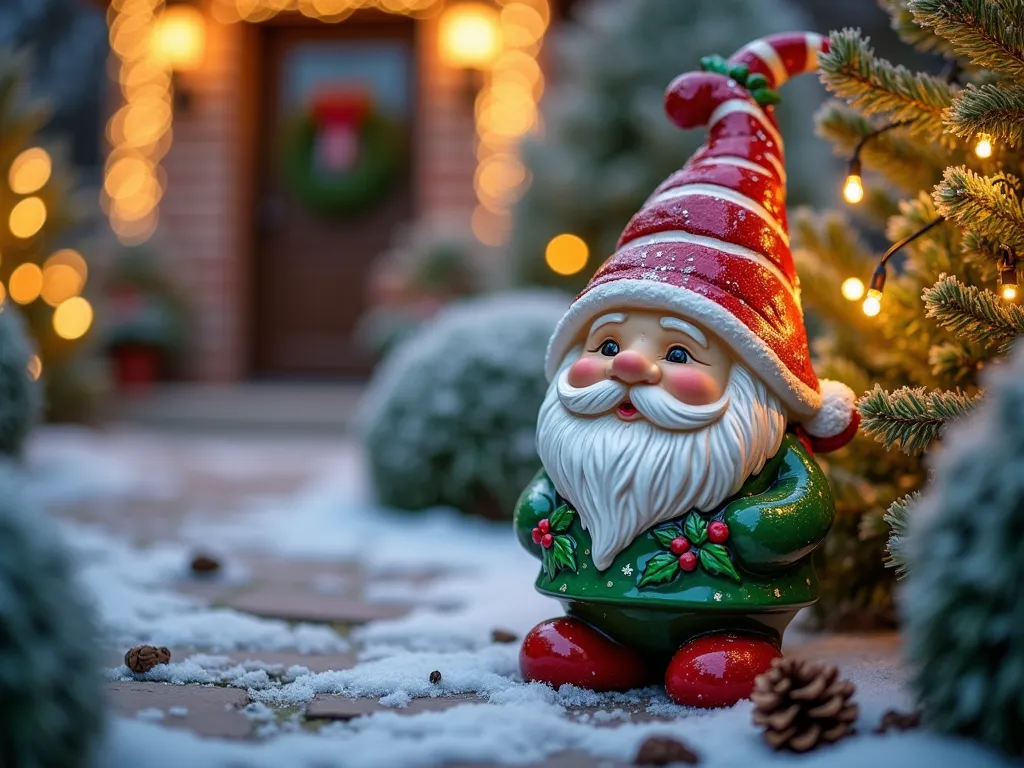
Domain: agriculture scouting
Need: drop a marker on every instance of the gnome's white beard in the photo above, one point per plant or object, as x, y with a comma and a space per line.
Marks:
625, 477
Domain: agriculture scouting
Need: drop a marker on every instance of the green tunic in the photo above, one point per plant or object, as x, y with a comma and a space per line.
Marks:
755, 581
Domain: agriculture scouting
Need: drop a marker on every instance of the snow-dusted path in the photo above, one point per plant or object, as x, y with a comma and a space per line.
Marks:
314, 644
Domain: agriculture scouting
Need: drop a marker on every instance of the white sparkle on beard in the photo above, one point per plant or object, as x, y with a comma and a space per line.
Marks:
625, 477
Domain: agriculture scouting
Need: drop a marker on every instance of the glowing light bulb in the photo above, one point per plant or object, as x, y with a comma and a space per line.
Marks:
1009, 292
853, 190
983, 148
853, 289
873, 303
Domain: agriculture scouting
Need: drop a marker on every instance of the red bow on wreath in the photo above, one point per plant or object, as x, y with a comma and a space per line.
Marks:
338, 117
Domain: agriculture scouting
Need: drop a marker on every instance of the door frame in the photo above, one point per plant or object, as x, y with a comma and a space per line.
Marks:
252, 136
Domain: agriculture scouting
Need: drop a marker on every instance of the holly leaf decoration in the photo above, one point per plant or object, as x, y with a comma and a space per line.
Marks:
696, 529
548, 561
659, 569
766, 96
561, 519
564, 553
714, 558
665, 535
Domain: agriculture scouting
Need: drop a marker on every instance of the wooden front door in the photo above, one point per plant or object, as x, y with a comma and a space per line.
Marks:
314, 242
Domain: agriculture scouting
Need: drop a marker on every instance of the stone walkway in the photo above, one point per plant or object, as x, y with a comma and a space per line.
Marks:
222, 479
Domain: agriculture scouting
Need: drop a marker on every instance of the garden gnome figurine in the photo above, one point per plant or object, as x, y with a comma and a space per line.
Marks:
680, 501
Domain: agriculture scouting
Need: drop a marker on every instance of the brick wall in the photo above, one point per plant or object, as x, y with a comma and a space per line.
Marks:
206, 211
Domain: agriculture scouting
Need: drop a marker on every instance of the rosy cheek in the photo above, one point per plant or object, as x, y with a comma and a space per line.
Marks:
690, 385
586, 371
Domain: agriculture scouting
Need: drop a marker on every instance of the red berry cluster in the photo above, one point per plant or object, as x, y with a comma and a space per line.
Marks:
718, 533
541, 534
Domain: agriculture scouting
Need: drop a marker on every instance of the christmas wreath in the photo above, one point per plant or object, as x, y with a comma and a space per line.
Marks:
341, 155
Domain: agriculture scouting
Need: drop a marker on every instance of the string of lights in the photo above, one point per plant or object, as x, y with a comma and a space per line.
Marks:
150, 42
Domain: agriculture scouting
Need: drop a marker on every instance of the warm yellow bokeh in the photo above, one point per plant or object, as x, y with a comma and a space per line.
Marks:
60, 283
72, 318
179, 37
26, 283
566, 254
853, 289
71, 258
469, 35
27, 217
35, 367
30, 171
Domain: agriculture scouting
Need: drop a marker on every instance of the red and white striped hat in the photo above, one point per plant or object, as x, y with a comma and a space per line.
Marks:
712, 243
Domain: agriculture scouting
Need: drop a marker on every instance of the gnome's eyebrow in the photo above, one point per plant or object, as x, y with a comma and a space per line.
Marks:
675, 324
614, 317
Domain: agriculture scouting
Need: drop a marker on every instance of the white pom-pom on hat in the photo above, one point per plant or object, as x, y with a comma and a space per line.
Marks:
837, 420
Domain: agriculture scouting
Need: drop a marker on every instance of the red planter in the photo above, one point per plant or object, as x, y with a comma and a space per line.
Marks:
137, 366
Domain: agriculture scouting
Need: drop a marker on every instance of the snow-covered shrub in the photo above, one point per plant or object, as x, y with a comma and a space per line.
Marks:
963, 602
51, 699
19, 394
451, 413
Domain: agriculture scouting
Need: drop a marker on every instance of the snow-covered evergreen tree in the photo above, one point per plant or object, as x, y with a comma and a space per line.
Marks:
965, 551
946, 172
606, 142
19, 393
51, 700
451, 413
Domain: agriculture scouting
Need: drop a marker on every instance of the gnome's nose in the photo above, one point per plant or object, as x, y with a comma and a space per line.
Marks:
631, 367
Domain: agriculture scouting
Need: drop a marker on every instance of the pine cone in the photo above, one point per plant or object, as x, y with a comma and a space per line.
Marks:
143, 658
658, 750
503, 636
801, 704
900, 721
204, 564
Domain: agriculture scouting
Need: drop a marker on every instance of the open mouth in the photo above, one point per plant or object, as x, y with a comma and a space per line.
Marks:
626, 410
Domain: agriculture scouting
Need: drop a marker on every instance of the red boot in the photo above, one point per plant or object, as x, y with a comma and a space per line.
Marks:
565, 650
717, 670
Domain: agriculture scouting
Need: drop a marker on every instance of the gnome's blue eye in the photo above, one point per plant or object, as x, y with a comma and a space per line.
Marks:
610, 348
678, 355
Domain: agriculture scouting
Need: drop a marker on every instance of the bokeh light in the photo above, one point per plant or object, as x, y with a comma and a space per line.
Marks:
853, 289
60, 283
566, 254
26, 283
30, 171
27, 217
469, 35
72, 319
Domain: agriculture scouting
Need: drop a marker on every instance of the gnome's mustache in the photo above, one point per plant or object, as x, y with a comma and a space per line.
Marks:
652, 402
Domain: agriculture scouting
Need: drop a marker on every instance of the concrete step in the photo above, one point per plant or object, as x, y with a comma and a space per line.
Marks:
248, 407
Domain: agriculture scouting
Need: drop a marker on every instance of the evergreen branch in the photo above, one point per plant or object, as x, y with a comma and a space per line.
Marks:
977, 315
954, 361
910, 418
878, 87
989, 32
910, 32
984, 204
997, 110
904, 161
898, 518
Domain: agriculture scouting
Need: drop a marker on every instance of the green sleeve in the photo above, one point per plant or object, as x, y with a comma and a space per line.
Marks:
773, 529
535, 503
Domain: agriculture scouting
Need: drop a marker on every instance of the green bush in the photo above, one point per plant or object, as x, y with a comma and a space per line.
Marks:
51, 701
962, 604
19, 393
451, 414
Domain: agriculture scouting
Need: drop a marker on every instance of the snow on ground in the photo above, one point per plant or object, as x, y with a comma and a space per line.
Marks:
488, 580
